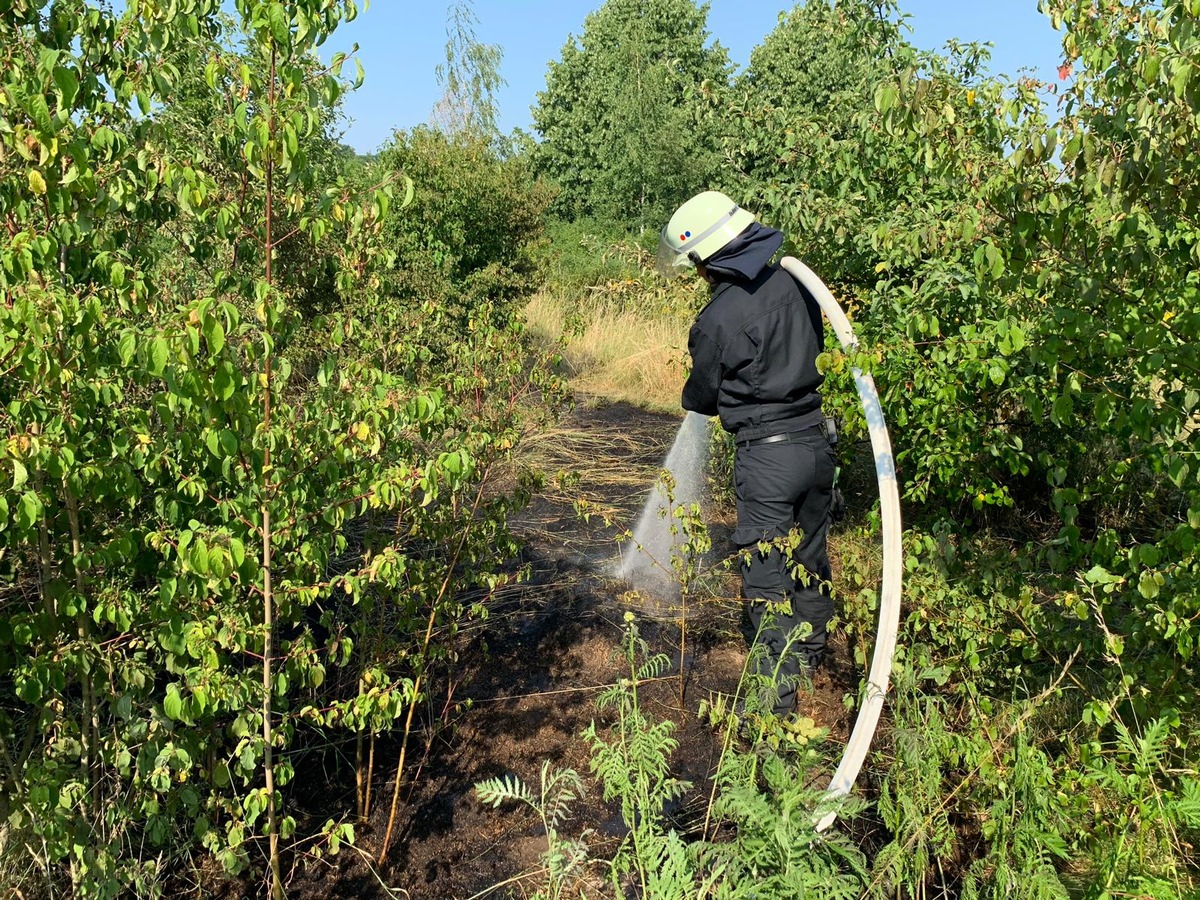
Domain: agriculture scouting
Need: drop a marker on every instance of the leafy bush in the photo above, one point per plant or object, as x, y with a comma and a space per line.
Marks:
1024, 286
222, 538
475, 221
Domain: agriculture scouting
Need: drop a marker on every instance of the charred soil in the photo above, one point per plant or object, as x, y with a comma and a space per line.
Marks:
524, 687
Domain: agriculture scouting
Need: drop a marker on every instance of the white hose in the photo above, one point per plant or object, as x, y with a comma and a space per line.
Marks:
889, 594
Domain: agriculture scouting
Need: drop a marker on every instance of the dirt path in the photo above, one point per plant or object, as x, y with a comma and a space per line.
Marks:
527, 680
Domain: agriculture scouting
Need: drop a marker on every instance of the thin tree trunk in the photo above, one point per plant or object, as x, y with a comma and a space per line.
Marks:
359, 776
412, 706
268, 598
370, 776
89, 726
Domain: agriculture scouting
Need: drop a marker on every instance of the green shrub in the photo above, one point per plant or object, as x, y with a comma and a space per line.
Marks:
475, 224
224, 540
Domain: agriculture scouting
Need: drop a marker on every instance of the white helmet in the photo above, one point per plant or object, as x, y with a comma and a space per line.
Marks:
699, 228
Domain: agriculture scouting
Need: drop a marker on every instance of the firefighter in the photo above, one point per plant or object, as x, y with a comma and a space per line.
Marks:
754, 353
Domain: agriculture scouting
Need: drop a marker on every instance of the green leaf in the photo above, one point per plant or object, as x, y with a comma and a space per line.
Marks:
29, 510
159, 351
199, 557
1063, 409
1177, 470
40, 113
68, 87
1016, 339
218, 562
1152, 65
173, 703
1101, 575
224, 383
126, 347
1183, 74
281, 26
1149, 584
886, 97
20, 474
214, 333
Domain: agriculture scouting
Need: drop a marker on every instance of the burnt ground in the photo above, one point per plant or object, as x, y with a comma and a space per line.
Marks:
526, 681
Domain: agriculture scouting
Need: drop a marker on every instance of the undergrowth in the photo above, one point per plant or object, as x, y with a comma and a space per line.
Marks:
759, 837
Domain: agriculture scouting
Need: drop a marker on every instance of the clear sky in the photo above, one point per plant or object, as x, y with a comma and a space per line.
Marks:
402, 43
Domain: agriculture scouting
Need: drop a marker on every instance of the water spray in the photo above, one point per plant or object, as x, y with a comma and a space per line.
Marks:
647, 563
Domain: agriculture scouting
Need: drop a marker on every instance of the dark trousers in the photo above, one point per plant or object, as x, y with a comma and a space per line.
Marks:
781, 486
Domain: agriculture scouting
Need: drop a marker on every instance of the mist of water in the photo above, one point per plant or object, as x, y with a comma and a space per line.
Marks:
646, 564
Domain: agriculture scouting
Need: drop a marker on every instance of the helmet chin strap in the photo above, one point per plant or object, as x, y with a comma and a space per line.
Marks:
889, 594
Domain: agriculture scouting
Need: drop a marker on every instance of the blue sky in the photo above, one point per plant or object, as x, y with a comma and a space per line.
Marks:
402, 43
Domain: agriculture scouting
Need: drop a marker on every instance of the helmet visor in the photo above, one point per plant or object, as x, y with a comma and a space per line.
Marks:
671, 263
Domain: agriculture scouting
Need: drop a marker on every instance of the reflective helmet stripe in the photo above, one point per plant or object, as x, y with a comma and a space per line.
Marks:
707, 233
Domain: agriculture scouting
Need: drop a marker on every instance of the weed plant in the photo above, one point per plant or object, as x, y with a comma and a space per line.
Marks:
565, 859
632, 763
763, 796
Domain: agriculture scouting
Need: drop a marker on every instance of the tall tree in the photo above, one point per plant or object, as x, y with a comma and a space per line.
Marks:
824, 53
469, 77
805, 146
617, 121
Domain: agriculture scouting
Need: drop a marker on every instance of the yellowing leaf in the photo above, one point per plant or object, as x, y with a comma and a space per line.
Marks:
37, 184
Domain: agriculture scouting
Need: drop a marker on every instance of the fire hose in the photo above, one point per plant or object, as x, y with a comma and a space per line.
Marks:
889, 594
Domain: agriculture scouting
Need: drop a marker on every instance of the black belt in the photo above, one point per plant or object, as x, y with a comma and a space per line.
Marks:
779, 438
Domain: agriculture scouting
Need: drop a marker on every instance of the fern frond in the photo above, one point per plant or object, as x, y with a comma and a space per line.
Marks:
654, 667
670, 869
560, 788
1186, 809
494, 791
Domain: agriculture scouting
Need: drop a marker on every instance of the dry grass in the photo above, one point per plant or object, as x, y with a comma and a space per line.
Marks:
618, 353
595, 470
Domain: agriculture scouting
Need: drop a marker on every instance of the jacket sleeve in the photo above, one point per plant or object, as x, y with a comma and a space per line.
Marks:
704, 383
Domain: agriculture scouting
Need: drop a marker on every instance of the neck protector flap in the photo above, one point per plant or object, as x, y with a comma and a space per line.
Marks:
743, 258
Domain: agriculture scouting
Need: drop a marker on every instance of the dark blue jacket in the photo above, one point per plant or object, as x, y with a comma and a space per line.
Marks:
754, 356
